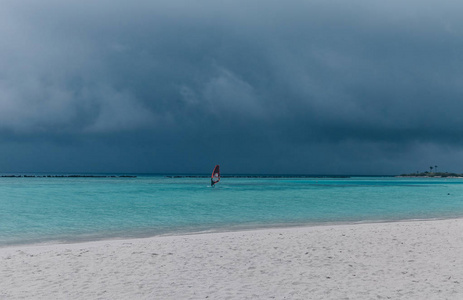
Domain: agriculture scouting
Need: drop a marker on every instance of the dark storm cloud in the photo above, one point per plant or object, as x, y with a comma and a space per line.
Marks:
262, 86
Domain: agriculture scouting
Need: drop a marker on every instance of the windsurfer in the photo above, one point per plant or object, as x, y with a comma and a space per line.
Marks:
215, 177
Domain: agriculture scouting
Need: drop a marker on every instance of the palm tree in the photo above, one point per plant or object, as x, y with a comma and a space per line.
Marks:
431, 168
435, 168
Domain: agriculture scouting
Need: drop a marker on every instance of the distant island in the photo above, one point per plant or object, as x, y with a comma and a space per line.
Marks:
433, 174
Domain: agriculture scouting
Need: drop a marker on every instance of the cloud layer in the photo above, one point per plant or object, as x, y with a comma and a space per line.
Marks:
261, 86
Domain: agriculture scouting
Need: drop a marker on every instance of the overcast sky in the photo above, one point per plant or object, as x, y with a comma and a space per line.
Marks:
260, 86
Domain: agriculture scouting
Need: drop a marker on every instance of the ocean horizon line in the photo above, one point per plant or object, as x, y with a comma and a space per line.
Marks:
179, 175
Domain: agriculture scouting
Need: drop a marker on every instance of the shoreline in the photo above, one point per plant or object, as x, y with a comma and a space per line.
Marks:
228, 229
397, 260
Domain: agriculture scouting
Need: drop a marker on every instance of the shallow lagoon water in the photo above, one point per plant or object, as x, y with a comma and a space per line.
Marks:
39, 209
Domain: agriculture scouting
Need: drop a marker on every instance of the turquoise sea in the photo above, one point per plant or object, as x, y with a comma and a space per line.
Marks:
71, 209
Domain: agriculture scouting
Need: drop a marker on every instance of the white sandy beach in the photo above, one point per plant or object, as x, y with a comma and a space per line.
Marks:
404, 260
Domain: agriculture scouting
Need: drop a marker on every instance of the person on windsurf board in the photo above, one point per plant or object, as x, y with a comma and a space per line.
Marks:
215, 177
